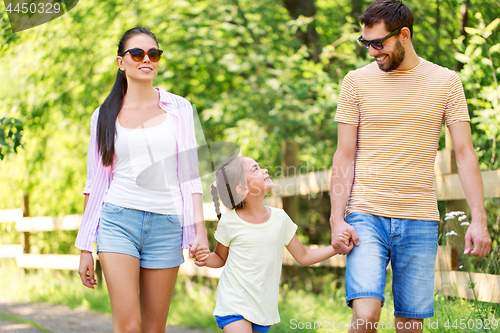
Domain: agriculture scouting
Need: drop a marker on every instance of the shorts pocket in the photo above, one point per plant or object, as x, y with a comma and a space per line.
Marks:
174, 218
110, 208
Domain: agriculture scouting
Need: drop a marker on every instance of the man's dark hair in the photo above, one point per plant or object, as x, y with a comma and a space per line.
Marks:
394, 13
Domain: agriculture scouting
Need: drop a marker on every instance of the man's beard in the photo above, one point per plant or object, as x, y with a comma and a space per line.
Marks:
395, 59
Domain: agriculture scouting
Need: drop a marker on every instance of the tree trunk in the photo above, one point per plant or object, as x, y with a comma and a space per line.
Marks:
310, 38
464, 13
356, 11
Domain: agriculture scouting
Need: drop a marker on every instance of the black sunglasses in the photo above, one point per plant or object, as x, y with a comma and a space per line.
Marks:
138, 54
377, 43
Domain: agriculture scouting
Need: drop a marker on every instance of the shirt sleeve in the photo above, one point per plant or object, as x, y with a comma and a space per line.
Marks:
222, 234
456, 104
92, 153
290, 229
348, 105
189, 157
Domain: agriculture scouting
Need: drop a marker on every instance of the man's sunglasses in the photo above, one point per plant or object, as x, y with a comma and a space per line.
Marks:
138, 54
377, 43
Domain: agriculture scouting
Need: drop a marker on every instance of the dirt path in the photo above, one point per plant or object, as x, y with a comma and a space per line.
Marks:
61, 319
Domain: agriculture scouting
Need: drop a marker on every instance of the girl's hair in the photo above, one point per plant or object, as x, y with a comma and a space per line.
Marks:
229, 175
106, 123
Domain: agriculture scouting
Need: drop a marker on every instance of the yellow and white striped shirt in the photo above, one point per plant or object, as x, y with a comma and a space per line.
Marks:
399, 115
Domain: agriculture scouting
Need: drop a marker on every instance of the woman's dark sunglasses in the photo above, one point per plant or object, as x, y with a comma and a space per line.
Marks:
377, 43
138, 54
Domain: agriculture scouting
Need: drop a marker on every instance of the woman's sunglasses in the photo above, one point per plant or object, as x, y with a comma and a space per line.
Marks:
138, 54
377, 43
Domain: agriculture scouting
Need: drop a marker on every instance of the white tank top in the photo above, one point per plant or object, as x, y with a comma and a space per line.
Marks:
145, 169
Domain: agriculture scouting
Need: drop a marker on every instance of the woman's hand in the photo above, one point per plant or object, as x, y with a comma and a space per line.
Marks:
200, 240
86, 269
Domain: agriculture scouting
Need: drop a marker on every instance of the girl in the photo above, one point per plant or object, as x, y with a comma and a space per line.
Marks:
250, 240
143, 192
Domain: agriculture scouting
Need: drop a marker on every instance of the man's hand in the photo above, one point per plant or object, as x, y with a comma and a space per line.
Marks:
478, 235
340, 227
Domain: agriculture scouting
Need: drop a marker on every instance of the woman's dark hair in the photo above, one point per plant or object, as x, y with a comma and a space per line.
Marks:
394, 13
229, 175
106, 123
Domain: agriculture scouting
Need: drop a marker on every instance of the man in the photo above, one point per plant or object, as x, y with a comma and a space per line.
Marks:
390, 116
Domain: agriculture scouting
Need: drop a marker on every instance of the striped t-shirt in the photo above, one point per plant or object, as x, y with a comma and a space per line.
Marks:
399, 115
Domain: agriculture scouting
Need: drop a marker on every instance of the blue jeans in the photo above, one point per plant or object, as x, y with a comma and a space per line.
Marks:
411, 247
155, 239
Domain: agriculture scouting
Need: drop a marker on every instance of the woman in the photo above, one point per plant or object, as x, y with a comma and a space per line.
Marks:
143, 192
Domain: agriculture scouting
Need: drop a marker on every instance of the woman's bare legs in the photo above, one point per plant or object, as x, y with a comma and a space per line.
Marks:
121, 273
157, 287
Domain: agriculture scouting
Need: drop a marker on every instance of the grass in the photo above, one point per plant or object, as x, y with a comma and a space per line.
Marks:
17, 320
194, 301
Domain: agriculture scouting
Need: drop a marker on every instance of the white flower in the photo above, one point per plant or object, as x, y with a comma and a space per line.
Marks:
465, 223
463, 217
461, 266
451, 233
452, 215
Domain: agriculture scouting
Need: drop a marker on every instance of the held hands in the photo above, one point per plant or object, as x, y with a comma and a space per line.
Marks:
201, 256
345, 238
201, 240
86, 269
340, 227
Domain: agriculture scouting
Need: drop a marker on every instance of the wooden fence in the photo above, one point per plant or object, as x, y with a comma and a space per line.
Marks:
448, 280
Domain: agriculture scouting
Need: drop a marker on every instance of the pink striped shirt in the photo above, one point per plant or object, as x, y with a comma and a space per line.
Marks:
99, 177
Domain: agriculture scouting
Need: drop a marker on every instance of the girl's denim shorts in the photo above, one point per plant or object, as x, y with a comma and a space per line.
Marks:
155, 239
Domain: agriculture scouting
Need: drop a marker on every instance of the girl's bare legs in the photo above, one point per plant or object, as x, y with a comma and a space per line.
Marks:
121, 272
157, 287
240, 326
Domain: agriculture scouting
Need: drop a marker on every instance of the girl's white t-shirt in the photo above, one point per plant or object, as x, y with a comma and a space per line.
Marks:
145, 171
249, 285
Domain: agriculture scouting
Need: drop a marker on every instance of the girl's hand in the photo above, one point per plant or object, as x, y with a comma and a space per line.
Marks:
201, 256
86, 269
345, 238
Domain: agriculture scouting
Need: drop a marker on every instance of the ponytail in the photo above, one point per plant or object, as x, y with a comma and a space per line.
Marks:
106, 123
215, 198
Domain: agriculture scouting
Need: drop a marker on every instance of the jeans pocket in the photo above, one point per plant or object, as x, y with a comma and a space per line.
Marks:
110, 208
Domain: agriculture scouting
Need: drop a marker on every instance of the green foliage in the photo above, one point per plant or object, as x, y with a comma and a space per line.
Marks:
253, 81
194, 300
10, 135
480, 76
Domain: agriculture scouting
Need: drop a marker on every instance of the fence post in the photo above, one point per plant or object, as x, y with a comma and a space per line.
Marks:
25, 236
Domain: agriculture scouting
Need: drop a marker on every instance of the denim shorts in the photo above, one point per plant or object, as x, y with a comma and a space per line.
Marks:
410, 245
226, 320
155, 239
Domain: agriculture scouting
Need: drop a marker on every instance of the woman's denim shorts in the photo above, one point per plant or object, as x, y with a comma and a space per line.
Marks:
155, 239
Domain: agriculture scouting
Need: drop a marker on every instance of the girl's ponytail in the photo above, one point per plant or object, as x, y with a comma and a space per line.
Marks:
215, 198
